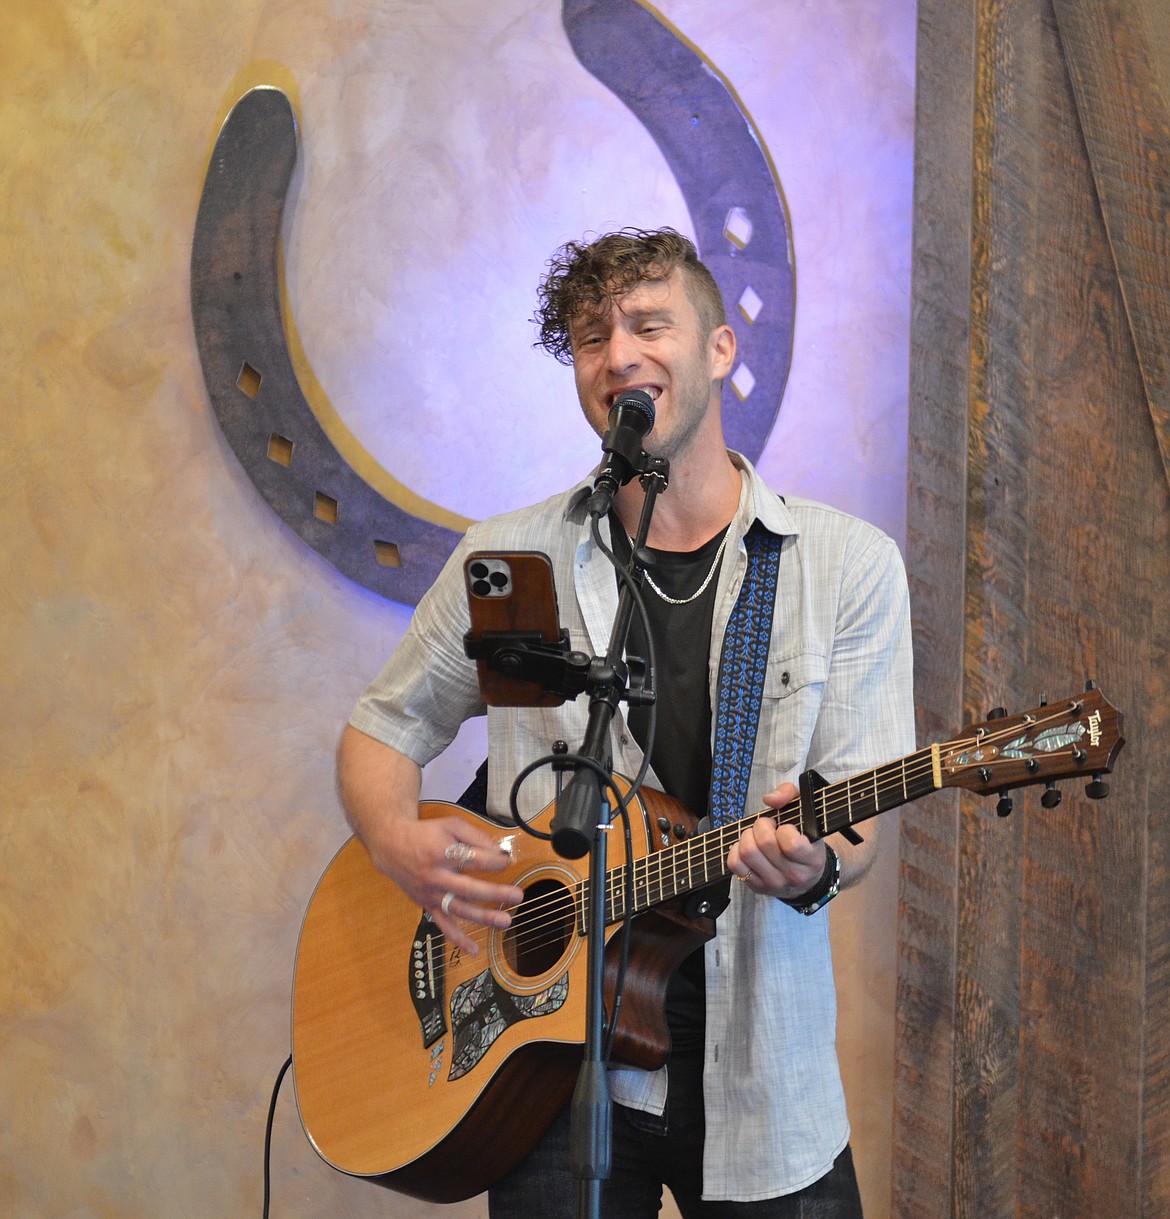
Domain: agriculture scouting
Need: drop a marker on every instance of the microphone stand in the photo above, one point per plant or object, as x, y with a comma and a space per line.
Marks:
582, 810
587, 812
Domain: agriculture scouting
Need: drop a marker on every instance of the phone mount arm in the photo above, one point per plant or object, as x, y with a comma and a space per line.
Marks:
529, 657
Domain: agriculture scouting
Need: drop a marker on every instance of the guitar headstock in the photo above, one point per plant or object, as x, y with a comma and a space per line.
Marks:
1076, 737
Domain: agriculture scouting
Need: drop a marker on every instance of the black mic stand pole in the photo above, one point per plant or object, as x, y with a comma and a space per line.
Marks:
587, 813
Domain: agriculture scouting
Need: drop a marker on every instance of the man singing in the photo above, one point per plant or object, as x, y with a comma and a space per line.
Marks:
748, 1117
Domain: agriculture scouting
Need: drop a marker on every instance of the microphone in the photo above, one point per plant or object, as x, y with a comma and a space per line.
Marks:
630, 419
578, 811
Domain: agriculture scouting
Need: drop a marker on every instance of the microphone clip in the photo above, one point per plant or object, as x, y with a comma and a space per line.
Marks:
647, 468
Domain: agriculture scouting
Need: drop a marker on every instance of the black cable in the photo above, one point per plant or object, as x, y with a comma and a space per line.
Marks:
626, 579
268, 1133
624, 934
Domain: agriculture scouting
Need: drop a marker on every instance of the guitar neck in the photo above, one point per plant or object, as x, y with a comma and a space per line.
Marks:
1074, 738
702, 860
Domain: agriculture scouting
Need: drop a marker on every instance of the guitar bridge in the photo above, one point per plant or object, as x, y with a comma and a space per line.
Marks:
428, 980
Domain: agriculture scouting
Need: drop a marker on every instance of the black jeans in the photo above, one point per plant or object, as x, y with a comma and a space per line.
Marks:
649, 1152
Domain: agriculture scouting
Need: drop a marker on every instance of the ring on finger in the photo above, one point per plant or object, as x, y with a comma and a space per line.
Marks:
445, 904
460, 853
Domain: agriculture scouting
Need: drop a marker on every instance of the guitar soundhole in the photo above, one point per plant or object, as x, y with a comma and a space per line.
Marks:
542, 927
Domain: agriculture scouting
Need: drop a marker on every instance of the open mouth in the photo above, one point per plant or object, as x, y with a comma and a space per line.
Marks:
655, 392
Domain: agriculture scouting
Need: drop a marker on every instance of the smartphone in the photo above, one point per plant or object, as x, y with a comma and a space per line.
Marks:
512, 594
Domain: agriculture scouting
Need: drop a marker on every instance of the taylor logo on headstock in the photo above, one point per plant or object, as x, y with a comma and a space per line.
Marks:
1060, 740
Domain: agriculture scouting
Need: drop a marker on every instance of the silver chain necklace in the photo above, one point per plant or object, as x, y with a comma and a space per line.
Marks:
702, 587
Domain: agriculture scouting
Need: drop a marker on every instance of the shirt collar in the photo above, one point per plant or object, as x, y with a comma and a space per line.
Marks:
758, 502
575, 504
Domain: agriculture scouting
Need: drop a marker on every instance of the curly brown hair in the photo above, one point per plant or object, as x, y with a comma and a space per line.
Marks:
586, 279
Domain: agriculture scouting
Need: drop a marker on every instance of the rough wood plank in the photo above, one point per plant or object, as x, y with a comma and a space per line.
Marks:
1118, 52
1127, 76
923, 1087
1105, 1144
1056, 1067
1081, 989
1005, 236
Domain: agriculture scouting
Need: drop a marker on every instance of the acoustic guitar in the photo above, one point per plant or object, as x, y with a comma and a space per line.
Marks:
434, 1072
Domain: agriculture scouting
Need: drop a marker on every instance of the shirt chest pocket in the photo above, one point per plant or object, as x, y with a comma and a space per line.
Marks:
793, 689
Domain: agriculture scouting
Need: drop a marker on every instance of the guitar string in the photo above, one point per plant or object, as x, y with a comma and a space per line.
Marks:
1009, 731
895, 779
971, 741
656, 878
653, 872
548, 916
656, 875
660, 870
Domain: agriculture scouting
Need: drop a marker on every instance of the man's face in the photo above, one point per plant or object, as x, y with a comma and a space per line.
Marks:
650, 339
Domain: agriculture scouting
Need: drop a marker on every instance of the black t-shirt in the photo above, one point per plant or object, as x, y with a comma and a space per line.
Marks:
681, 754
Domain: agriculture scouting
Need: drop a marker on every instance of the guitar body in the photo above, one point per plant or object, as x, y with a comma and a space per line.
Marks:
434, 1072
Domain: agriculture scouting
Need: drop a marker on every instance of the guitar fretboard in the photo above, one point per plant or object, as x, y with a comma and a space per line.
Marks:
702, 860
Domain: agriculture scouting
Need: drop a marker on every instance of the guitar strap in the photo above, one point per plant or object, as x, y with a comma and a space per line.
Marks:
742, 667
474, 799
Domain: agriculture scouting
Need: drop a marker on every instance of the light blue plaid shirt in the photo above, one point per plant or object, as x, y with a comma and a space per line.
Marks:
838, 697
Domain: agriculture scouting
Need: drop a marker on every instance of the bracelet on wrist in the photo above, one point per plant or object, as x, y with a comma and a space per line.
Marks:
823, 891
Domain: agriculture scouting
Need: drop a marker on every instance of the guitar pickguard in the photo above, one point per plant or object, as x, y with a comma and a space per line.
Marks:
482, 1009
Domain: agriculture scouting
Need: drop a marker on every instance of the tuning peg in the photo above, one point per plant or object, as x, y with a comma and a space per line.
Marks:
1004, 805
997, 713
1052, 794
1090, 684
1098, 789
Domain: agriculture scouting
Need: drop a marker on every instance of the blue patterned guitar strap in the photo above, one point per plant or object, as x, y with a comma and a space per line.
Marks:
742, 667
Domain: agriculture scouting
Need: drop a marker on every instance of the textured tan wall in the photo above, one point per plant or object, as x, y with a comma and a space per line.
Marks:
176, 664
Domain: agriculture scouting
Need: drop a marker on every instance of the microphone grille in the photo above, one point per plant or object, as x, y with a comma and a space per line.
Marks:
638, 401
